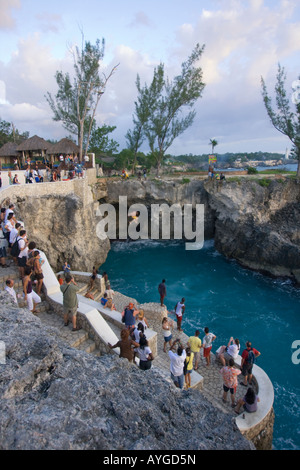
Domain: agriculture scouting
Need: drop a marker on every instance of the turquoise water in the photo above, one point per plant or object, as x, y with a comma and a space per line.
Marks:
231, 301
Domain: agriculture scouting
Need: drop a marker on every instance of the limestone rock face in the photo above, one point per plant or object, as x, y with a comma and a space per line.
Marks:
258, 226
163, 192
57, 398
64, 227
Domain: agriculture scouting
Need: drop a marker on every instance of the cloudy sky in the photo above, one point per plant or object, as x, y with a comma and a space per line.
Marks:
244, 40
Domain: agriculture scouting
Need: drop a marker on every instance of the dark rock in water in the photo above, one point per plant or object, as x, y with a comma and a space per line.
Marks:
57, 398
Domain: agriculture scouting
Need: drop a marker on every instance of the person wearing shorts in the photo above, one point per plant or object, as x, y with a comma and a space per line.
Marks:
207, 344
31, 297
195, 345
179, 311
229, 374
166, 326
70, 301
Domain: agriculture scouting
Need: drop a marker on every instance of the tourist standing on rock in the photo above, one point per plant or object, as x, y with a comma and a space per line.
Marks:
145, 354
31, 297
230, 351
179, 311
126, 345
128, 315
3, 252
176, 365
230, 374
37, 268
142, 319
8, 227
22, 257
188, 367
92, 280
66, 269
11, 290
162, 291
207, 344
70, 301
195, 344
167, 326
248, 358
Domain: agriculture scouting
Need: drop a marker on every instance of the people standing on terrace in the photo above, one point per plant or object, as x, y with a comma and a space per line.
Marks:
195, 344
230, 351
38, 272
22, 257
126, 345
179, 311
248, 357
162, 291
31, 297
230, 374
207, 345
167, 326
70, 301
11, 290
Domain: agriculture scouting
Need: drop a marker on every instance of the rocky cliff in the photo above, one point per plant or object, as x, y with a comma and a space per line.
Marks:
61, 222
258, 225
57, 398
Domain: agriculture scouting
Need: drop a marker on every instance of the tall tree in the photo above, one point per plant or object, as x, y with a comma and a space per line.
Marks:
9, 133
213, 144
100, 142
77, 99
164, 100
283, 119
143, 108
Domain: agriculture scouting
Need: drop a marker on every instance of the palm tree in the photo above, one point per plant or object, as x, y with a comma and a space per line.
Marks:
213, 144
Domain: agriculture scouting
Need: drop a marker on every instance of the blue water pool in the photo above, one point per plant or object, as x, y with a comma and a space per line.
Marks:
231, 301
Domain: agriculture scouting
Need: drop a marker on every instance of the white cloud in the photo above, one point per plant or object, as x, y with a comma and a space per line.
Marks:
6, 17
243, 40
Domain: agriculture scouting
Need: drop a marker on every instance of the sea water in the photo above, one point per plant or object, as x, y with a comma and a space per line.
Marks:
231, 301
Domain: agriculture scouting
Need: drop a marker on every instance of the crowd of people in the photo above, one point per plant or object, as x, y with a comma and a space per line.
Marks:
133, 341
25, 255
39, 172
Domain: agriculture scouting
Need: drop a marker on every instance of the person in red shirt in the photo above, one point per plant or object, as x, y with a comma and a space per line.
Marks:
247, 363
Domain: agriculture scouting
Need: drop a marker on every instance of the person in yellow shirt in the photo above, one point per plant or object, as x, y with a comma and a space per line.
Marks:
195, 345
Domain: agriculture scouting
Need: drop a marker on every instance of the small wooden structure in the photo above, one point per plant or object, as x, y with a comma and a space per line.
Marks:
8, 153
32, 148
63, 147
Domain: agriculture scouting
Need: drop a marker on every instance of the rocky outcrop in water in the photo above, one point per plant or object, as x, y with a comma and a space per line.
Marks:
54, 397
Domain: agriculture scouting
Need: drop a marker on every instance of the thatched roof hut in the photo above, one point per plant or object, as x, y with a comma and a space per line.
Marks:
8, 152
34, 144
63, 147
34, 147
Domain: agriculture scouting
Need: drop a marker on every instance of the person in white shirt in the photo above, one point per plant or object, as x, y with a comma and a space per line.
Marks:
230, 351
14, 233
179, 311
176, 365
207, 344
10, 289
22, 258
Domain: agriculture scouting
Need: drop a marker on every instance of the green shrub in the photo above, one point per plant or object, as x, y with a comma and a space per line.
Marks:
252, 171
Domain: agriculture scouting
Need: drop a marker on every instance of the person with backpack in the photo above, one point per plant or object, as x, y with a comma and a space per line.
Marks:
249, 356
128, 315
